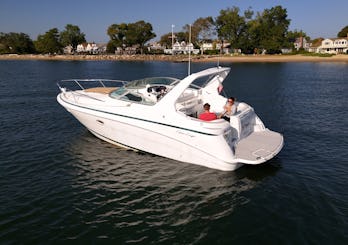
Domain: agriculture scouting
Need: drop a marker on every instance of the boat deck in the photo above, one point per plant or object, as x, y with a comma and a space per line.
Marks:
259, 147
102, 90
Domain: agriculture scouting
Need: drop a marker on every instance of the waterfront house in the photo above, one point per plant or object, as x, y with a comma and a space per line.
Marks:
101, 48
81, 48
301, 43
314, 45
225, 47
131, 50
87, 48
68, 49
127, 50
208, 46
155, 46
91, 48
181, 48
334, 45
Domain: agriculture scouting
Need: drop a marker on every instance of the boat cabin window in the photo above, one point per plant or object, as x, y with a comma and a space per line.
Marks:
138, 98
133, 97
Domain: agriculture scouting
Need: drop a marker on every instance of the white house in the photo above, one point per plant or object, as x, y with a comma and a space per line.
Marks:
81, 48
314, 47
181, 48
68, 49
127, 50
334, 46
216, 45
101, 48
155, 46
208, 46
91, 48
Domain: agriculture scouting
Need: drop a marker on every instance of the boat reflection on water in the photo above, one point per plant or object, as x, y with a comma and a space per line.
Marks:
140, 192
105, 166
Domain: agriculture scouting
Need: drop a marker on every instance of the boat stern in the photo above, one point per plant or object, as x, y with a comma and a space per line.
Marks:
259, 147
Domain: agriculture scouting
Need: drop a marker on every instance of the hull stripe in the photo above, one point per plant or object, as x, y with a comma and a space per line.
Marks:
136, 118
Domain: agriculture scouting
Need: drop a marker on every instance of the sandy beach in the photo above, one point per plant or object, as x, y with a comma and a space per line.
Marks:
182, 58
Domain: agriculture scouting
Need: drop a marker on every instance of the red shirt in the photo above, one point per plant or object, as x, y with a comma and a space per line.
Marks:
207, 116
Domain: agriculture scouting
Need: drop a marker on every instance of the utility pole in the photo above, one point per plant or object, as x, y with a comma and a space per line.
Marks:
173, 39
189, 61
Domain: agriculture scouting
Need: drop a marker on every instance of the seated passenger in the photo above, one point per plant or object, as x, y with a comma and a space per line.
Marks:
161, 92
229, 109
207, 115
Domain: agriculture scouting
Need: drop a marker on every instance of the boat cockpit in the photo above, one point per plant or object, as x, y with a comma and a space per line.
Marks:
146, 91
149, 91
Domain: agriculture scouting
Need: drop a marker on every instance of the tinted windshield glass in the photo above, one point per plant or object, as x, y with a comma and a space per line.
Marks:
153, 80
118, 92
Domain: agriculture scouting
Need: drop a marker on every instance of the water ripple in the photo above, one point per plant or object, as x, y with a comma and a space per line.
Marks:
61, 184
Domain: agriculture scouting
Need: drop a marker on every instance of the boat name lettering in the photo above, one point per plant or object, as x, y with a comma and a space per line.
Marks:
185, 133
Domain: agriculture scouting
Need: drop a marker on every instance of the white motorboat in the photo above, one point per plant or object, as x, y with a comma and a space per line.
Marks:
160, 115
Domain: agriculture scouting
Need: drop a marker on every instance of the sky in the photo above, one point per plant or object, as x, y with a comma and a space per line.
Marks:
35, 17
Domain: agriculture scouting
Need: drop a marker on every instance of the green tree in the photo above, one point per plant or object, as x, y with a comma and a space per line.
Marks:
202, 30
139, 33
166, 40
72, 36
267, 31
292, 35
343, 32
17, 43
231, 26
48, 43
117, 34
272, 28
182, 36
250, 37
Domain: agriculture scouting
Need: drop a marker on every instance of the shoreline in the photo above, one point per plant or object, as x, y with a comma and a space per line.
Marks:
180, 58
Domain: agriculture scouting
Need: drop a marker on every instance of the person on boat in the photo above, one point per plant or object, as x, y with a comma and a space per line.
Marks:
207, 115
229, 109
161, 92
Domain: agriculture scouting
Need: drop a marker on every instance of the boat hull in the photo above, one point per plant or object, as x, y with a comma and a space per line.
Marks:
162, 140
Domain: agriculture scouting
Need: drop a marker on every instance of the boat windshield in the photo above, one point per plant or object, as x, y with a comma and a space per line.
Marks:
118, 92
146, 91
203, 81
141, 83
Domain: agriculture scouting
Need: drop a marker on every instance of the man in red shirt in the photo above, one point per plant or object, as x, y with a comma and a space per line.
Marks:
207, 115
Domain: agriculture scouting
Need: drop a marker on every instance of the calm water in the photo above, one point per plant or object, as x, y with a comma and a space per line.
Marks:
58, 183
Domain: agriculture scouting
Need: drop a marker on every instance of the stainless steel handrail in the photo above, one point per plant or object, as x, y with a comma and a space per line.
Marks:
81, 83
